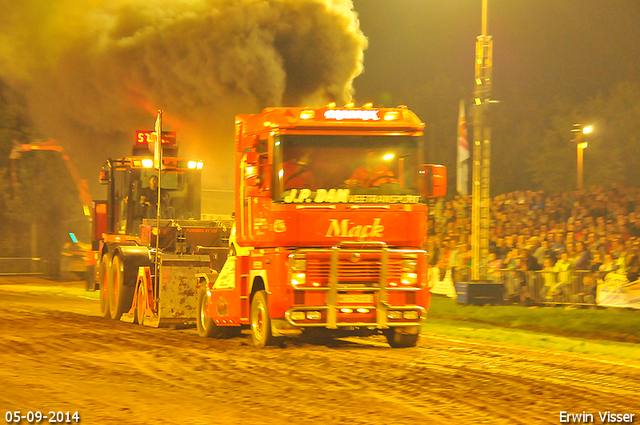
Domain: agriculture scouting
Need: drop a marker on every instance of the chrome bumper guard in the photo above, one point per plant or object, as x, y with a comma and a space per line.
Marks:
381, 289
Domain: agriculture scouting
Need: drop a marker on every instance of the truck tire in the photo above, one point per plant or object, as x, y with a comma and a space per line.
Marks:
104, 286
260, 321
120, 295
400, 339
206, 326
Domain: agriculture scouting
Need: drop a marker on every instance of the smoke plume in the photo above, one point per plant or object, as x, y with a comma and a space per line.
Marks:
95, 71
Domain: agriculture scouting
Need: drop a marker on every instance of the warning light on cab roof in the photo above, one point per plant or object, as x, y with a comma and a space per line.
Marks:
307, 114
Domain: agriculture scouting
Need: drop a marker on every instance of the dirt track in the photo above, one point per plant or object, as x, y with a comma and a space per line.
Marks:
57, 354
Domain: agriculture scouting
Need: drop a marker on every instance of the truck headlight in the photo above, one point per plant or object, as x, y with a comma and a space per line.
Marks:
410, 315
410, 263
298, 279
298, 262
394, 315
313, 315
297, 315
409, 278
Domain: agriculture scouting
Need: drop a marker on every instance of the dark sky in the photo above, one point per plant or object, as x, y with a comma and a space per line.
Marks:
542, 48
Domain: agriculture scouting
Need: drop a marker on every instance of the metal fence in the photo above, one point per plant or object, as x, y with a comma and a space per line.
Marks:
20, 266
572, 287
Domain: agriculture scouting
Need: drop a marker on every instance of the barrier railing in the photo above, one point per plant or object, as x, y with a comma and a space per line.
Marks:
20, 266
571, 287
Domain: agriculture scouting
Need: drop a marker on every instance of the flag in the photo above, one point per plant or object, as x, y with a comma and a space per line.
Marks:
157, 149
462, 175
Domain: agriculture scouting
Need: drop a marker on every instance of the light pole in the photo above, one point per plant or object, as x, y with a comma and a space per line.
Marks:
581, 146
480, 204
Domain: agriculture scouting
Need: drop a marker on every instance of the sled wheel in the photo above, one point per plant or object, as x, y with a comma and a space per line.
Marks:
120, 295
260, 322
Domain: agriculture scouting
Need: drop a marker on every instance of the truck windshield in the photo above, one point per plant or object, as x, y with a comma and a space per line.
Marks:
180, 194
357, 168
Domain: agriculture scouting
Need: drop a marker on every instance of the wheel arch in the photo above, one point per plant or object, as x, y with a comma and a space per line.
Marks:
258, 283
206, 280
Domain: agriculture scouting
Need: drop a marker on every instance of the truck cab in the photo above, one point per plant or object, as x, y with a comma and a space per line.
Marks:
331, 206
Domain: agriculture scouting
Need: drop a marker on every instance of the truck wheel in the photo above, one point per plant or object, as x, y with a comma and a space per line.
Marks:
104, 286
260, 322
399, 339
120, 295
206, 326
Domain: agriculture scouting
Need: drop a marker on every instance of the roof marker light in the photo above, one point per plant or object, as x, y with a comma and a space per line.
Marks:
391, 115
307, 114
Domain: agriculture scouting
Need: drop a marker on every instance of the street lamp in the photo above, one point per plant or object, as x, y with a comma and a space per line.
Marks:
581, 146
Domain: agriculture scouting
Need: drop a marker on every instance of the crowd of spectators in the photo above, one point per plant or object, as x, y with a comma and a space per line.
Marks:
595, 230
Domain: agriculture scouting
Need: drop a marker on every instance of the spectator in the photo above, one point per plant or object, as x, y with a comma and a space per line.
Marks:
584, 257
633, 263
572, 255
634, 229
578, 233
521, 277
540, 251
509, 261
590, 287
558, 244
563, 275
444, 263
609, 265
500, 249
532, 263
433, 254
549, 276
494, 265
596, 263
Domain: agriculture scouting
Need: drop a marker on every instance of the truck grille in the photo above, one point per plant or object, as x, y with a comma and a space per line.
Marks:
365, 271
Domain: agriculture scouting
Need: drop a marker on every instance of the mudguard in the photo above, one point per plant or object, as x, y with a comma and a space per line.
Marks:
133, 257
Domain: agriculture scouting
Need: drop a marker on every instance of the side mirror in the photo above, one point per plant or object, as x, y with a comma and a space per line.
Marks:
252, 181
251, 170
434, 180
252, 158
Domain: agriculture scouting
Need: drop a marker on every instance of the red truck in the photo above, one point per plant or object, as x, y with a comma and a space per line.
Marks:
330, 217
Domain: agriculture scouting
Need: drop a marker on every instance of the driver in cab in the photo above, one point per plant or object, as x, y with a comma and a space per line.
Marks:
372, 174
149, 198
